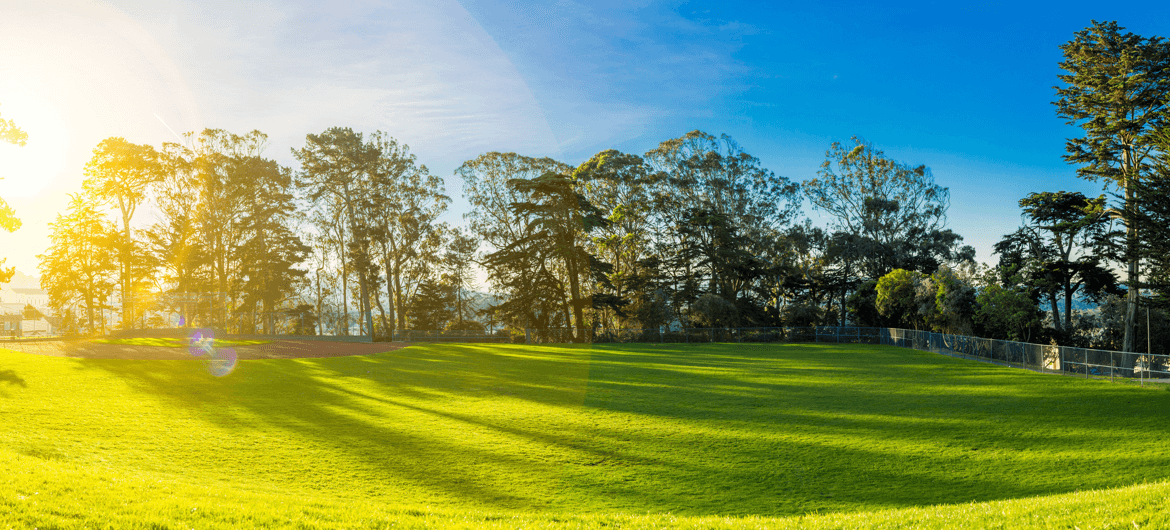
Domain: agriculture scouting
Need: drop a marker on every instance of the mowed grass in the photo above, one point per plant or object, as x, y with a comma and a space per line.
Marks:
172, 342
633, 436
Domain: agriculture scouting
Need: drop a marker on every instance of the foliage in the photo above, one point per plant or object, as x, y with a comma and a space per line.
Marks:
120, 172
12, 134
431, 309
534, 292
896, 212
80, 266
1062, 244
716, 208
899, 297
954, 301
712, 311
1006, 312
1117, 89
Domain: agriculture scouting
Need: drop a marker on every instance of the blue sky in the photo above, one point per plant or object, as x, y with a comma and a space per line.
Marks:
964, 88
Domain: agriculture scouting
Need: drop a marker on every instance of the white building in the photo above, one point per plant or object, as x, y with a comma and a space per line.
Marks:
37, 298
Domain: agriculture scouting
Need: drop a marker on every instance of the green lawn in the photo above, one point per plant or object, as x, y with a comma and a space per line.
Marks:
564, 437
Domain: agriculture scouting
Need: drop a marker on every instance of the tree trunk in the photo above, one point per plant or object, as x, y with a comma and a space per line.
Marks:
1055, 312
1132, 286
389, 289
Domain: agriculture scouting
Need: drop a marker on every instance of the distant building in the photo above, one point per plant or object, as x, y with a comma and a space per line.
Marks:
37, 298
10, 325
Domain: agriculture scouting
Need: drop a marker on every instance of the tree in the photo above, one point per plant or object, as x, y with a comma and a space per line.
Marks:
619, 184
716, 206
1006, 312
457, 263
173, 240
402, 202
271, 249
431, 309
80, 266
1152, 219
560, 218
120, 172
896, 211
12, 134
1117, 89
332, 164
532, 291
899, 297
1072, 222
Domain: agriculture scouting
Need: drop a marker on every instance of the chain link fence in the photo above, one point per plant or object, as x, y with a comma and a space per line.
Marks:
1066, 360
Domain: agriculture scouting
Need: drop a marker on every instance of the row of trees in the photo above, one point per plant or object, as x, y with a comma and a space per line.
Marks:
695, 232
235, 235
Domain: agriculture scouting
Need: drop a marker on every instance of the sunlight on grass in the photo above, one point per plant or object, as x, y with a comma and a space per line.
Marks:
171, 342
465, 431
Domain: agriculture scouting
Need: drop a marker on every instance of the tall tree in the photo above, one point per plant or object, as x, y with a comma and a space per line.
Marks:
457, 264
716, 204
620, 186
1152, 218
333, 164
80, 266
173, 238
402, 204
560, 220
1117, 89
533, 291
271, 249
120, 172
897, 210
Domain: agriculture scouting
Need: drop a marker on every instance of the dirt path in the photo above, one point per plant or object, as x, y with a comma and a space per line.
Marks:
277, 349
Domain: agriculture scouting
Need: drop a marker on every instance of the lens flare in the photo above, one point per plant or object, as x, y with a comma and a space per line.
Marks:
202, 342
222, 362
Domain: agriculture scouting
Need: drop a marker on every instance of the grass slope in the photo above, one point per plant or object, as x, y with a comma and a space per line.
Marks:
482, 435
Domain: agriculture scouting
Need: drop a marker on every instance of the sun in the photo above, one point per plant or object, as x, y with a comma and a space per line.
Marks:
29, 169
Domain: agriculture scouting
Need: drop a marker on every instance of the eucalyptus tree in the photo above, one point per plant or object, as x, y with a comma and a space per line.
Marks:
173, 239
715, 204
80, 265
120, 172
620, 186
897, 210
1116, 89
333, 165
270, 249
402, 203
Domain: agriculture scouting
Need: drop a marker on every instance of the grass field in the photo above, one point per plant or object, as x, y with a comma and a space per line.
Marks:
630, 436
172, 342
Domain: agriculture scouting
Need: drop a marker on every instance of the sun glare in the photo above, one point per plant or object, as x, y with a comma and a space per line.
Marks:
29, 169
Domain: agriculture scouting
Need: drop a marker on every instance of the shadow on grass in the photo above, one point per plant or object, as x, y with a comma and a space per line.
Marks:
720, 429
10, 377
